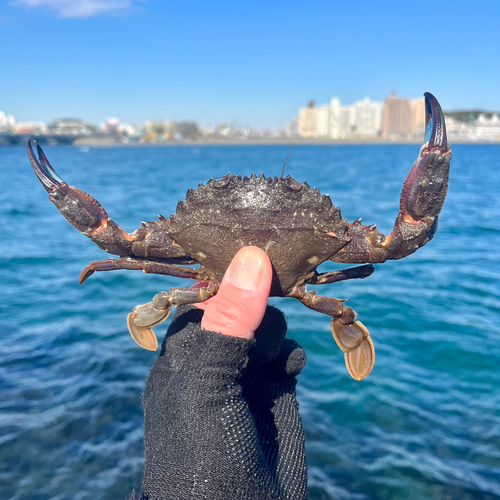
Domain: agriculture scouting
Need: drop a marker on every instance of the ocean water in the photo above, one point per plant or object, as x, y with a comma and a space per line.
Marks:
425, 425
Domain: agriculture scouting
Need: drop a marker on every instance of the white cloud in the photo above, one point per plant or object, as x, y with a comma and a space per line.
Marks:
77, 8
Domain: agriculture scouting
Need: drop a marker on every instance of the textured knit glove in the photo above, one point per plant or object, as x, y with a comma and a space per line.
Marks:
221, 415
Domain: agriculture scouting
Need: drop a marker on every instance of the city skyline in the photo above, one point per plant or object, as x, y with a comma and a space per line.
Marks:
256, 64
332, 101
396, 118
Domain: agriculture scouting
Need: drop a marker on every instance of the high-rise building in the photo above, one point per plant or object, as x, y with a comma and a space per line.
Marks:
335, 118
367, 118
307, 120
322, 121
417, 107
346, 121
396, 117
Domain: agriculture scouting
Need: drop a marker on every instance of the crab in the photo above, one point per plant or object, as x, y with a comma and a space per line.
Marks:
294, 224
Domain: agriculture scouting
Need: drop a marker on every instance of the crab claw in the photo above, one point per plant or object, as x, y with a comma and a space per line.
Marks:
43, 169
141, 320
424, 189
79, 208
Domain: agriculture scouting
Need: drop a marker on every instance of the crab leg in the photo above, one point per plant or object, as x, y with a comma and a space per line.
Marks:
422, 199
351, 336
142, 319
146, 266
342, 275
88, 216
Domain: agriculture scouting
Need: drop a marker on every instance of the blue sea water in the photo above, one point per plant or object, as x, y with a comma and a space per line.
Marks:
425, 425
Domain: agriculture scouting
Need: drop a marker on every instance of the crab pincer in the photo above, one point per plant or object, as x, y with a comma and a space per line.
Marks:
422, 198
424, 189
79, 208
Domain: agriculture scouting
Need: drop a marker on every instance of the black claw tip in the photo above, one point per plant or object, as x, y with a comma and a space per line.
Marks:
42, 168
435, 128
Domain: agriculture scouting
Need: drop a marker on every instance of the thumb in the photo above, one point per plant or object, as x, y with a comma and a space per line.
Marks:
239, 306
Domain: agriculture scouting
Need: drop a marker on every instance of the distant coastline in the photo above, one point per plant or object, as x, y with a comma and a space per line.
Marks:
281, 140
106, 141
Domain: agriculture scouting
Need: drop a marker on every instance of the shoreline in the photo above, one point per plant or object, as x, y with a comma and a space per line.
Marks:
275, 141
255, 141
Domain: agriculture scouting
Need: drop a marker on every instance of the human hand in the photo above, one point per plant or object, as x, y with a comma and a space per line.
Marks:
239, 306
220, 410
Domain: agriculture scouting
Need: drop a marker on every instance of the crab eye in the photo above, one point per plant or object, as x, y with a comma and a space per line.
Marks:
221, 182
293, 184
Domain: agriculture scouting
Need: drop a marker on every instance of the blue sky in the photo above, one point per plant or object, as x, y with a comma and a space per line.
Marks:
253, 62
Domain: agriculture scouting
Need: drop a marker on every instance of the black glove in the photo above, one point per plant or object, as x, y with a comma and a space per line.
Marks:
221, 415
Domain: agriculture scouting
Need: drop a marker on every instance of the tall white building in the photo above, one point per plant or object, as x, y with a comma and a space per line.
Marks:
367, 118
335, 118
7, 122
362, 119
328, 120
346, 122
322, 128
